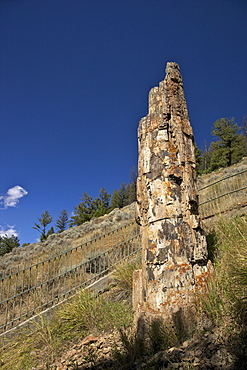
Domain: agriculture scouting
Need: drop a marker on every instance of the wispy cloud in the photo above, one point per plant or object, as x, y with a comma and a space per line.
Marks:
11, 198
9, 232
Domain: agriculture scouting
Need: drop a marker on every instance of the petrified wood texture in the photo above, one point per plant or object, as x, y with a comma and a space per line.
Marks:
175, 258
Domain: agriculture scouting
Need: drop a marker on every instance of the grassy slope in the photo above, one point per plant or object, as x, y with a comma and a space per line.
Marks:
225, 306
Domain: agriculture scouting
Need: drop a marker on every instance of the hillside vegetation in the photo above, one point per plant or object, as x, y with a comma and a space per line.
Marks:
71, 237
219, 341
76, 235
222, 313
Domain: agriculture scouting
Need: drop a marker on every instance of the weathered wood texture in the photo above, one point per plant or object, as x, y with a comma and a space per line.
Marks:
175, 258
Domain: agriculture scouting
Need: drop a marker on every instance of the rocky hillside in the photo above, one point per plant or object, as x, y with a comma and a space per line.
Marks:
118, 217
202, 352
72, 237
221, 173
226, 188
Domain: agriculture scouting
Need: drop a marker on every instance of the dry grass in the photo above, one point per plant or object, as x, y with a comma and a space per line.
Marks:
77, 318
224, 195
226, 303
72, 237
31, 289
123, 277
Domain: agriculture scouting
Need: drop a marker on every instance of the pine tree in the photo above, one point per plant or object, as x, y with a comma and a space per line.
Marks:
123, 196
101, 203
198, 157
50, 232
244, 125
131, 187
229, 149
244, 130
62, 221
8, 243
131, 193
115, 200
204, 166
84, 211
44, 220
120, 197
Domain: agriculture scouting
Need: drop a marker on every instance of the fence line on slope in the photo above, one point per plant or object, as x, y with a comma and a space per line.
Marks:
32, 289
223, 195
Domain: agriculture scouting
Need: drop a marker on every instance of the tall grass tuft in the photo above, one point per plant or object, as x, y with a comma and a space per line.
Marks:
226, 302
123, 277
77, 318
92, 314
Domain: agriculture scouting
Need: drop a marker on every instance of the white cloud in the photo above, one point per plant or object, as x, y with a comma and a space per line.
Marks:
9, 232
11, 198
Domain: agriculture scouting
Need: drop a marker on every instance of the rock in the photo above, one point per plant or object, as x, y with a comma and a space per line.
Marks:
193, 353
175, 354
175, 257
89, 339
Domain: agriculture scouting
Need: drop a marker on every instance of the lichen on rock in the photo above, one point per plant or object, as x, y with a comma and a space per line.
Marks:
175, 258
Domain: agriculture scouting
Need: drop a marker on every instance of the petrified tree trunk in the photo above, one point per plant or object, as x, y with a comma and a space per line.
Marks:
175, 258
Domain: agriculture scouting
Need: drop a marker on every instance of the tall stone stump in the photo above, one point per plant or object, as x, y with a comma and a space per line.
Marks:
174, 250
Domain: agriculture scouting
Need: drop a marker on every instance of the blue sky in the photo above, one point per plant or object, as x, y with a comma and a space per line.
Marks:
74, 81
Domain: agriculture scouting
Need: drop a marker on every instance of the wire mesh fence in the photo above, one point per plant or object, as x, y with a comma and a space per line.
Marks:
223, 195
29, 289
32, 289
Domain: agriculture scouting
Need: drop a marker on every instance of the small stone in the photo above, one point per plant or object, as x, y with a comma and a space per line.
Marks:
175, 352
106, 350
185, 344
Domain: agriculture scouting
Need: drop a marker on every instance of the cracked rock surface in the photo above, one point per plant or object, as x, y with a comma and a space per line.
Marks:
202, 352
175, 257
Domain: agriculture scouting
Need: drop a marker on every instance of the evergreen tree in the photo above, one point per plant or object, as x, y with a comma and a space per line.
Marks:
8, 243
120, 197
115, 200
244, 125
101, 203
206, 160
229, 149
204, 165
50, 232
198, 158
131, 193
126, 194
62, 221
44, 220
131, 187
25, 244
123, 196
84, 211
244, 130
